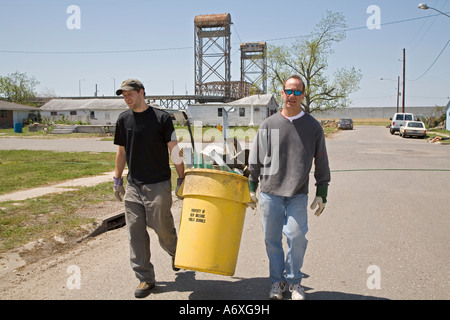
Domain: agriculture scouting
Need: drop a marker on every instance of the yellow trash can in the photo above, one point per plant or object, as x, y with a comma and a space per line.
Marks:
212, 219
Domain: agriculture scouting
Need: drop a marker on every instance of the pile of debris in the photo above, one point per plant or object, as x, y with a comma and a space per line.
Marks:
329, 123
440, 126
435, 139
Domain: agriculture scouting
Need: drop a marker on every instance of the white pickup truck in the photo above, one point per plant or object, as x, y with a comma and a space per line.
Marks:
399, 119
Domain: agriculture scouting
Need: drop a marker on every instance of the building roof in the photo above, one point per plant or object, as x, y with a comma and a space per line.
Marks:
259, 100
4, 105
84, 104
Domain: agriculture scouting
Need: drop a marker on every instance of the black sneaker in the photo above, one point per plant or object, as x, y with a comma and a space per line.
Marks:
173, 265
143, 289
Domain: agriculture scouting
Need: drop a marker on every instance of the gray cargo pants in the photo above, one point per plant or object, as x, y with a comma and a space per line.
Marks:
148, 206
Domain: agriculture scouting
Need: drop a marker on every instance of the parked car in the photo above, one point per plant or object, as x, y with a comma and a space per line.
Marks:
345, 124
413, 129
399, 120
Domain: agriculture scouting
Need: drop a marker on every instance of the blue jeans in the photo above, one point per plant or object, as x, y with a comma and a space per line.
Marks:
288, 216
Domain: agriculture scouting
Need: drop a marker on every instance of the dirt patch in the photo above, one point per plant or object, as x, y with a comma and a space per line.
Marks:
99, 210
37, 250
17, 259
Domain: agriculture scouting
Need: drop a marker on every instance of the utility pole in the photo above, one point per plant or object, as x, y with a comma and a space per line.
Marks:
404, 81
398, 92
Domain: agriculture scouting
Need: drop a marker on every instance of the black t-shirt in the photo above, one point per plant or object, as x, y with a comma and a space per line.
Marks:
145, 136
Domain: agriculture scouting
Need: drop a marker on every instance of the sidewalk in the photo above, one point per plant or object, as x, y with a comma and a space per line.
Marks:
58, 188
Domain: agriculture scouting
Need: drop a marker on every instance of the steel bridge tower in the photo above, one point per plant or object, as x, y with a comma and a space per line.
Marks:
213, 55
254, 67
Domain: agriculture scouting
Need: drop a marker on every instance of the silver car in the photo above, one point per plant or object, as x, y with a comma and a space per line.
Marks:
345, 124
413, 129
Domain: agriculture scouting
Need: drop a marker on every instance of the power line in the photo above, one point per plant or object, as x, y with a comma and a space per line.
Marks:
185, 48
432, 63
237, 33
94, 52
359, 28
426, 31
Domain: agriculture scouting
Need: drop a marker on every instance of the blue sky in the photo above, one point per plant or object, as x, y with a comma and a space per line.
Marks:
153, 40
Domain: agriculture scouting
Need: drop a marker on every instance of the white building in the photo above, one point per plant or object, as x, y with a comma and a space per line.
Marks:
374, 112
249, 111
92, 111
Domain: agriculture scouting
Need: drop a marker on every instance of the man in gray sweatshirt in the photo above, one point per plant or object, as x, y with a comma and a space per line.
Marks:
286, 146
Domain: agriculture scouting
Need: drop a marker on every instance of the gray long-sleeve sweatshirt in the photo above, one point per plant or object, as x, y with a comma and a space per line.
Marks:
283, 152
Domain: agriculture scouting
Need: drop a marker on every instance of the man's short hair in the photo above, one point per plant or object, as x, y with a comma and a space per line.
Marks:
294, 77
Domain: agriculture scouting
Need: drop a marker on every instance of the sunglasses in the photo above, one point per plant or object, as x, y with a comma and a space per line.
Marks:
289, 92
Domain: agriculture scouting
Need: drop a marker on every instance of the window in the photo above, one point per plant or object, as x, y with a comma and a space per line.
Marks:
219, 112
73, 113
415, 125
241, 112
408, 117
53, 113
92, 115
399, 117
3, 114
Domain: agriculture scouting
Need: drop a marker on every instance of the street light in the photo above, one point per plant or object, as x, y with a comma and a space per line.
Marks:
423, 6
398, 89
79, 86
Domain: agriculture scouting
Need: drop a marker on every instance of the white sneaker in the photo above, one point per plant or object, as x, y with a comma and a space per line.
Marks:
297, 292
276, 292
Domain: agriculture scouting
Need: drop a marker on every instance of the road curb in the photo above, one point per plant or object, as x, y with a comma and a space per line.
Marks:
112, 221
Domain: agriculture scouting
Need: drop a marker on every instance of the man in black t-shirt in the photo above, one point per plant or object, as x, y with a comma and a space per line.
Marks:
145, 135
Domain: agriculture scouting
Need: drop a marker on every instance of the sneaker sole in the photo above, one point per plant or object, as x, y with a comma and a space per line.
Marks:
142, 293
275, 297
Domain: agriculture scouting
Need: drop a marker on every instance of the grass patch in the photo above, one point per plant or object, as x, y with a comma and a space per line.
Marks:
22, 169
50, 215
53, 214
47, 216
444, 134
371, 122
329, 130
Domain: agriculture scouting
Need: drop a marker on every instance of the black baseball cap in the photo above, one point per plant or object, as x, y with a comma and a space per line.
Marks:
130, 84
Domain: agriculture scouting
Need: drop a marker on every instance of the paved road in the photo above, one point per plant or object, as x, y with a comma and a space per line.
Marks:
64, 145
383, 235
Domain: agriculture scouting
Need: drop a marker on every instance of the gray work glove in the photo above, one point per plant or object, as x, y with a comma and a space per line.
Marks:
179, 183
252, 187
119, 190
320, 199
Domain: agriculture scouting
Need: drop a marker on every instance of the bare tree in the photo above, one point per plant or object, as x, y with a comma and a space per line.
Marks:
308, 57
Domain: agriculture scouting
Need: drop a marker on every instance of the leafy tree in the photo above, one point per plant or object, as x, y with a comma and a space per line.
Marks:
18, 87
308, 57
